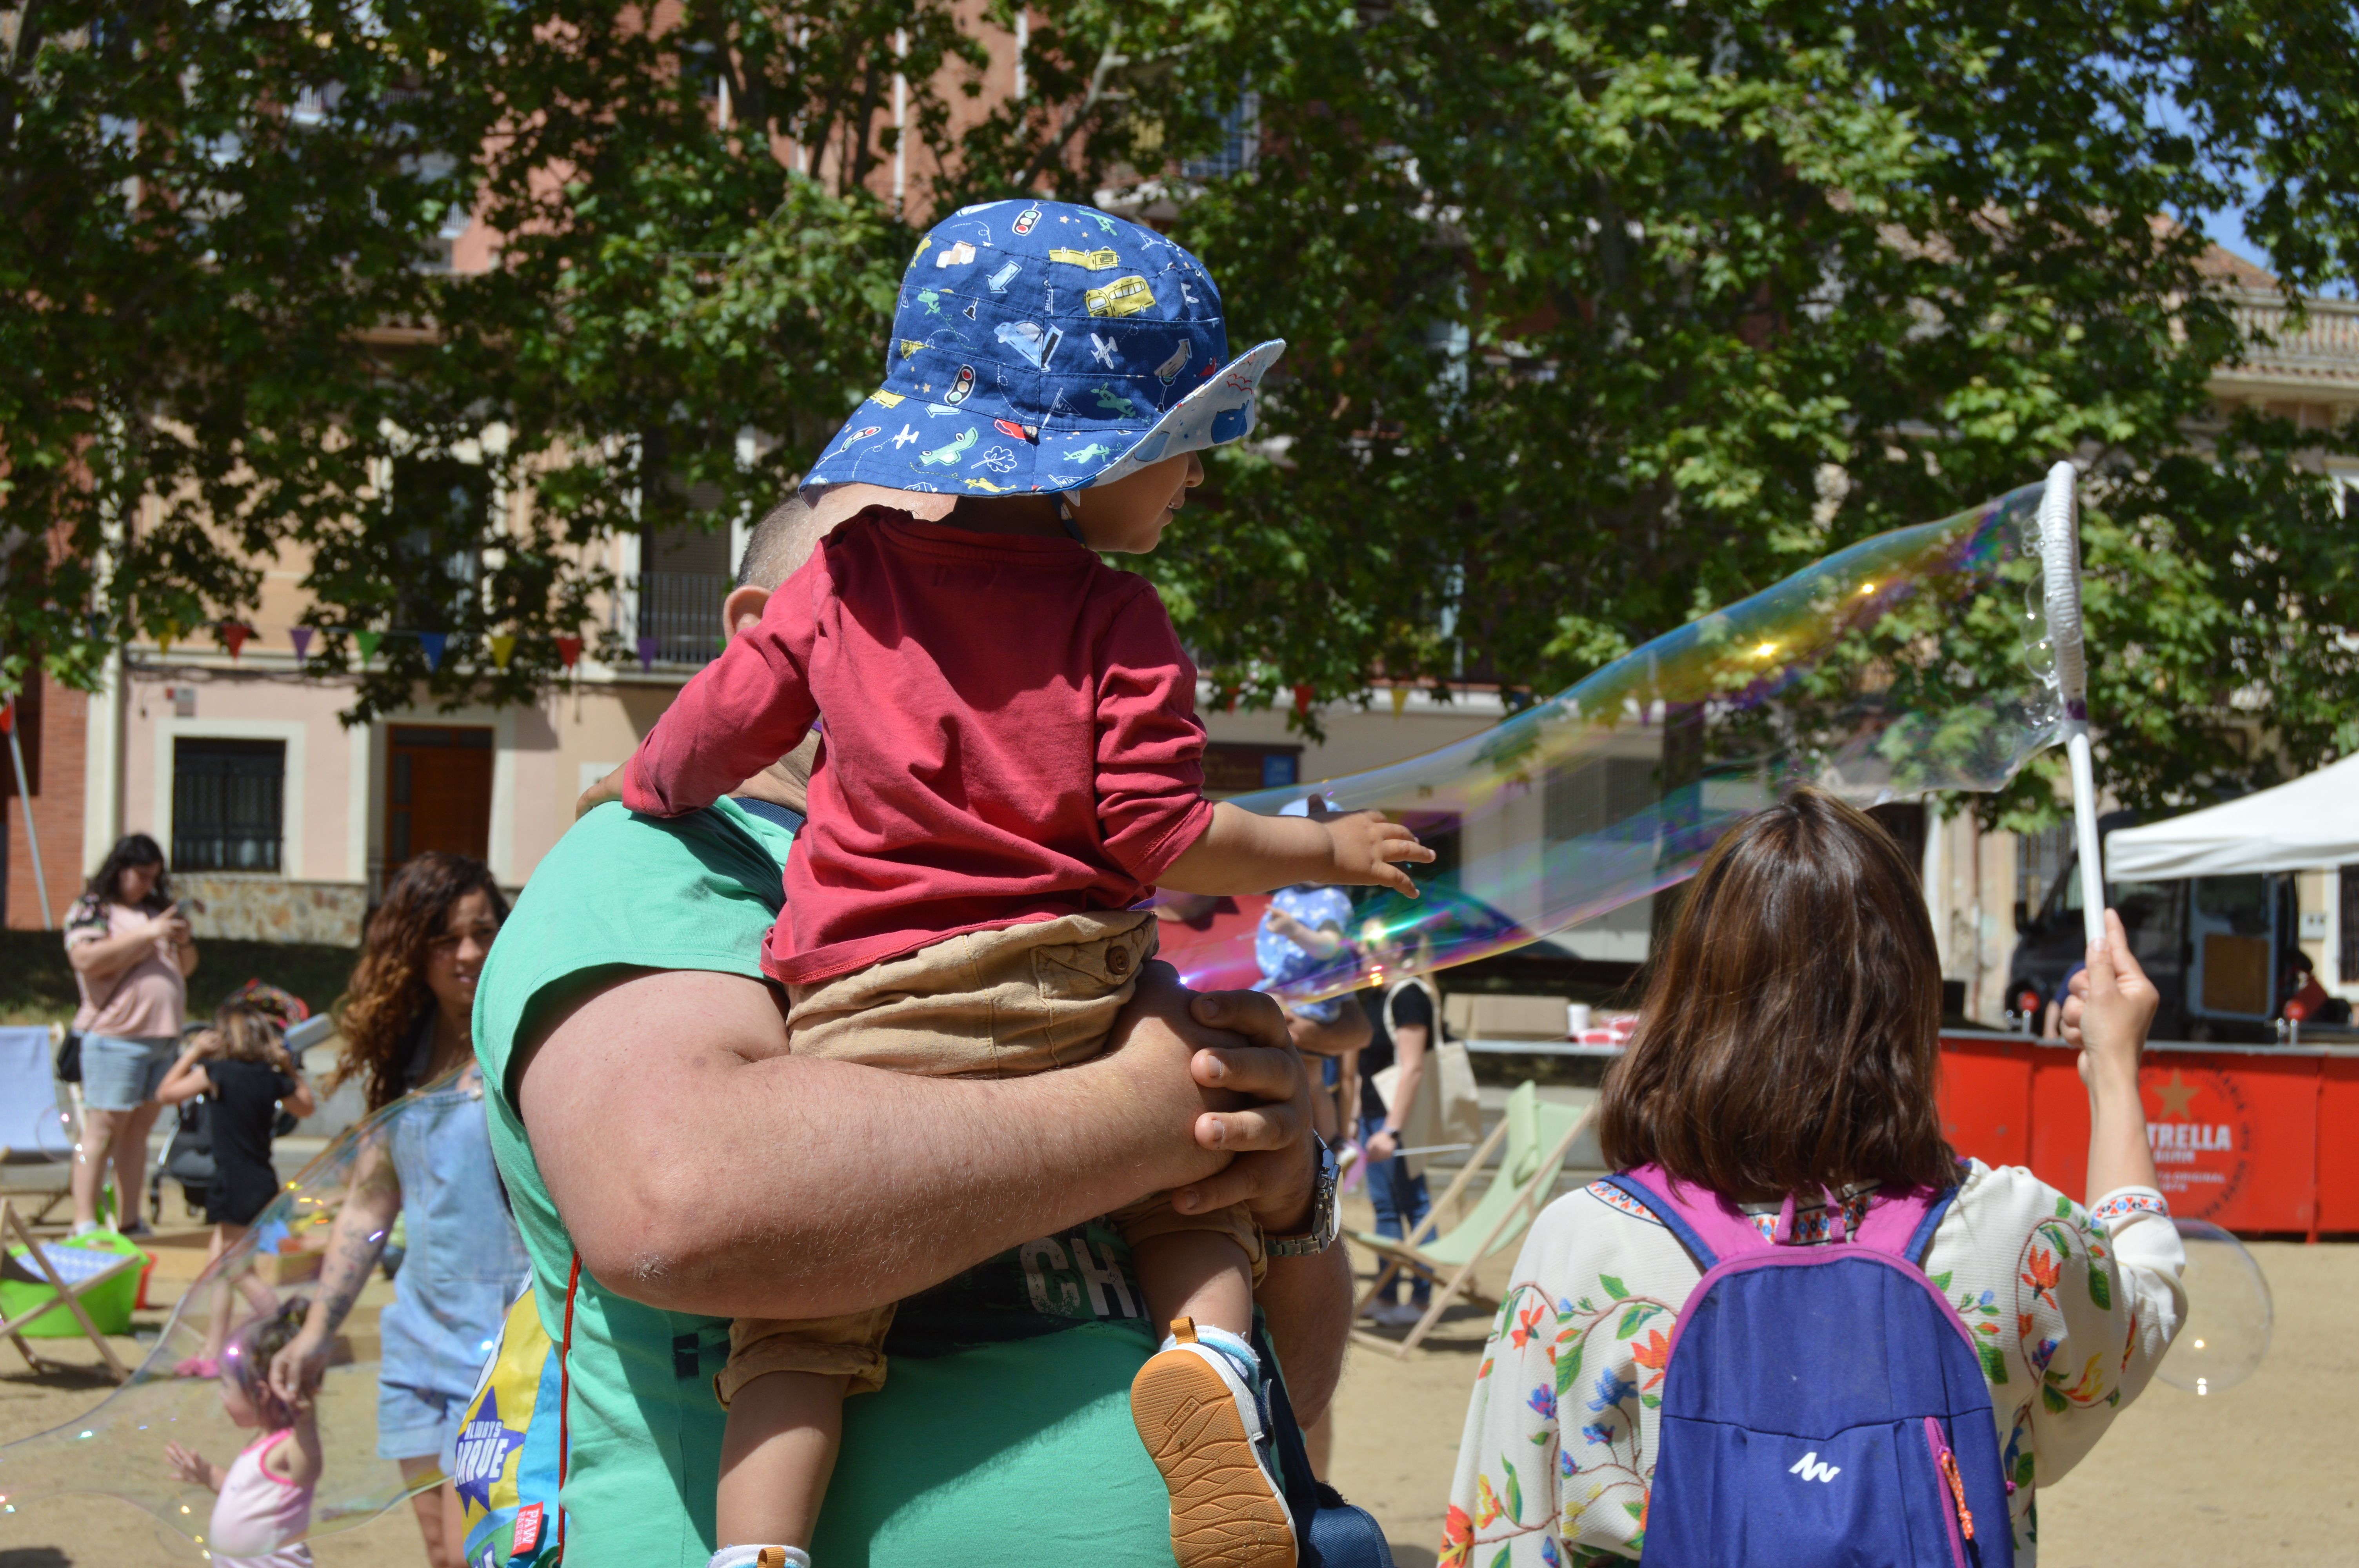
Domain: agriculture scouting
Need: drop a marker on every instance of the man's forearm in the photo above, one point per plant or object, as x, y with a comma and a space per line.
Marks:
729, 1177
1309, 1304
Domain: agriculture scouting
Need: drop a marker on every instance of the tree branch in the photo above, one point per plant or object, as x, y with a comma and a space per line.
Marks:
1109, 61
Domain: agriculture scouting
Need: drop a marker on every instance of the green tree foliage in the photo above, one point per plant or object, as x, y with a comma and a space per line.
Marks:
1602, 314
1607, 314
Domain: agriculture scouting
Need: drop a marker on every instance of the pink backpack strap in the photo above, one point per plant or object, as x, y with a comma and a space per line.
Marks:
1710, 1228
1898, 1221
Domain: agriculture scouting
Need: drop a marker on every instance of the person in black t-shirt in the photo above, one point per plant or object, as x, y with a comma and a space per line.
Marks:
240, 1066
1403, 1028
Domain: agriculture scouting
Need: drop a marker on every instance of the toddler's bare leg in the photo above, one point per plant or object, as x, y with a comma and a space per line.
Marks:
776, 1456
1198, 1405
1201, 1274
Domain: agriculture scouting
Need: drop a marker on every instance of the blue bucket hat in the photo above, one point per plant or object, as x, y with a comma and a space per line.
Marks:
1039, 346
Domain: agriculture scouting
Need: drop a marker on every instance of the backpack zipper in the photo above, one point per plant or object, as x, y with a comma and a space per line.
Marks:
1960, 1523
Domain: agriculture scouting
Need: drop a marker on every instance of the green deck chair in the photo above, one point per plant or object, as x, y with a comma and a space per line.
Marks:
1538, 1137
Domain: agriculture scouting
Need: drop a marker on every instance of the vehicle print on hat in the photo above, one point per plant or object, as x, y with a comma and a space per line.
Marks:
1122, 297
949, 452
1036, 343
1155, 377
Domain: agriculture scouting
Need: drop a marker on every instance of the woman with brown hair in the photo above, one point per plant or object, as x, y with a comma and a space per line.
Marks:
132, 956
407, 1023
1785, 1077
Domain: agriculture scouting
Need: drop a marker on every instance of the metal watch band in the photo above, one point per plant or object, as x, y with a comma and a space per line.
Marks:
1323, 1219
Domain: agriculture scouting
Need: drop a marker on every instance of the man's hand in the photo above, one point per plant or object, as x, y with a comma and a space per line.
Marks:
1365, 845
1261, 1114
599, 793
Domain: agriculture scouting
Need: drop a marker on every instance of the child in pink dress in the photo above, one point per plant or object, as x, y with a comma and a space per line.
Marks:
263, 1509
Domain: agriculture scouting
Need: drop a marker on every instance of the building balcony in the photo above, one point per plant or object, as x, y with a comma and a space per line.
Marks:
674, 616
2317, 360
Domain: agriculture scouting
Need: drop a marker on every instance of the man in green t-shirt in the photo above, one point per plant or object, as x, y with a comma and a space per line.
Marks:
671, 1166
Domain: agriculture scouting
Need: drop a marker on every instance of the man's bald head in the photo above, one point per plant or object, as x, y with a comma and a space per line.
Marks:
778, 546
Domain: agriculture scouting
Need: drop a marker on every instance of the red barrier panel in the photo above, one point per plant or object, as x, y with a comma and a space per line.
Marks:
2236, 1133
2338, 1145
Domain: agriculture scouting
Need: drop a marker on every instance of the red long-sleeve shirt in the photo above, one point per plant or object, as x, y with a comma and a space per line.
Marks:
1010, 735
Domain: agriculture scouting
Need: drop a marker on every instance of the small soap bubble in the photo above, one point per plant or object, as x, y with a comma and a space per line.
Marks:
2230, 1312
1891, 668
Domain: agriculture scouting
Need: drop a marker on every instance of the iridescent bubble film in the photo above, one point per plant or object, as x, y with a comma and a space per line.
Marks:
1916, 661
195, 1388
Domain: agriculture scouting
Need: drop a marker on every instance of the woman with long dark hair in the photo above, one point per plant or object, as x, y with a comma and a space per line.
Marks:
408, 1023
1784, 1083
132, 956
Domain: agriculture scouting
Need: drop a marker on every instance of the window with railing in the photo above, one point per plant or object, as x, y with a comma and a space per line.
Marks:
228, 805
679, 615
684, 577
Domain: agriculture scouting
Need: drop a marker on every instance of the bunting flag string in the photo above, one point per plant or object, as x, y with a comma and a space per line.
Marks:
1400, 699
648, 648
1303, 696
232, 636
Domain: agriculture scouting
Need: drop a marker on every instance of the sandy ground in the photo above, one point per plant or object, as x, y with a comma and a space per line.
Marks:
2262, 1473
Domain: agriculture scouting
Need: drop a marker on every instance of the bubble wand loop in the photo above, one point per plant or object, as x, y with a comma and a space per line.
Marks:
2060, 559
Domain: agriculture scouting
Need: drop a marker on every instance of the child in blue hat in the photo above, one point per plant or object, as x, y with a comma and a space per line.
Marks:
1011, 763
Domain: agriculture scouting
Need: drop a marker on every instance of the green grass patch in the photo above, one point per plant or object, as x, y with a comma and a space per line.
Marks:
38, 987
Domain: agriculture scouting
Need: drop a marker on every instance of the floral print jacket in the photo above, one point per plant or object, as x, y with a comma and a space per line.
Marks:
2071, 1308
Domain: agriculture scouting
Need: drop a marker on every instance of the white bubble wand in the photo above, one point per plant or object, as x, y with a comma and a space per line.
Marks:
2060, 559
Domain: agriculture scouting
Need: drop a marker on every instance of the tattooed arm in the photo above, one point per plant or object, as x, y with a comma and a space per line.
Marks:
354, 1248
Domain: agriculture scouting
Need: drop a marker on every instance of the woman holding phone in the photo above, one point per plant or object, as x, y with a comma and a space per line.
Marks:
132, 956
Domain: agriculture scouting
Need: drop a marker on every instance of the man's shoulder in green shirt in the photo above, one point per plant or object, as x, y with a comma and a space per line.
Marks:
1003, 1433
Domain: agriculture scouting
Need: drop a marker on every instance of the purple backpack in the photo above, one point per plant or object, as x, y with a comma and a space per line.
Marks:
1821, 1404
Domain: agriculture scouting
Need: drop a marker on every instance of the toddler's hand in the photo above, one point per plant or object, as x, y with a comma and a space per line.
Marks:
190, 1466
599, 793
1365, 846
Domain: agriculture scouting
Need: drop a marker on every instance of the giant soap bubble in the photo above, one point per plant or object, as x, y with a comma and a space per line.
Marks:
2230, 1312
1915, 661
1871, 674
190, 1391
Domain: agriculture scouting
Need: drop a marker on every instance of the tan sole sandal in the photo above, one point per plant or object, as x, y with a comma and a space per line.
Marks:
1199, 1421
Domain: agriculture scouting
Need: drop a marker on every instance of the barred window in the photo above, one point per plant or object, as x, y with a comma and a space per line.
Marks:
228, 805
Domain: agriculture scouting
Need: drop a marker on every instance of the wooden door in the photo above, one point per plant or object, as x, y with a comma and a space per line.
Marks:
437, 792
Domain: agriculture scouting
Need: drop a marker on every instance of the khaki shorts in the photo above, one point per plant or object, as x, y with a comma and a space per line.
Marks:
988, 1004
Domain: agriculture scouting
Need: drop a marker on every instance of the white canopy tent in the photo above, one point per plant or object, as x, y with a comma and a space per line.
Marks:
2313, 821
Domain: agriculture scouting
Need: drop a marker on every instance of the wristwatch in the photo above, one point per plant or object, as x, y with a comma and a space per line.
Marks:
1323, 1221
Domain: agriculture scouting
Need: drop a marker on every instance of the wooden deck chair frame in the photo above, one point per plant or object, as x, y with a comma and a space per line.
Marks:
1403, 1256
70, 1295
